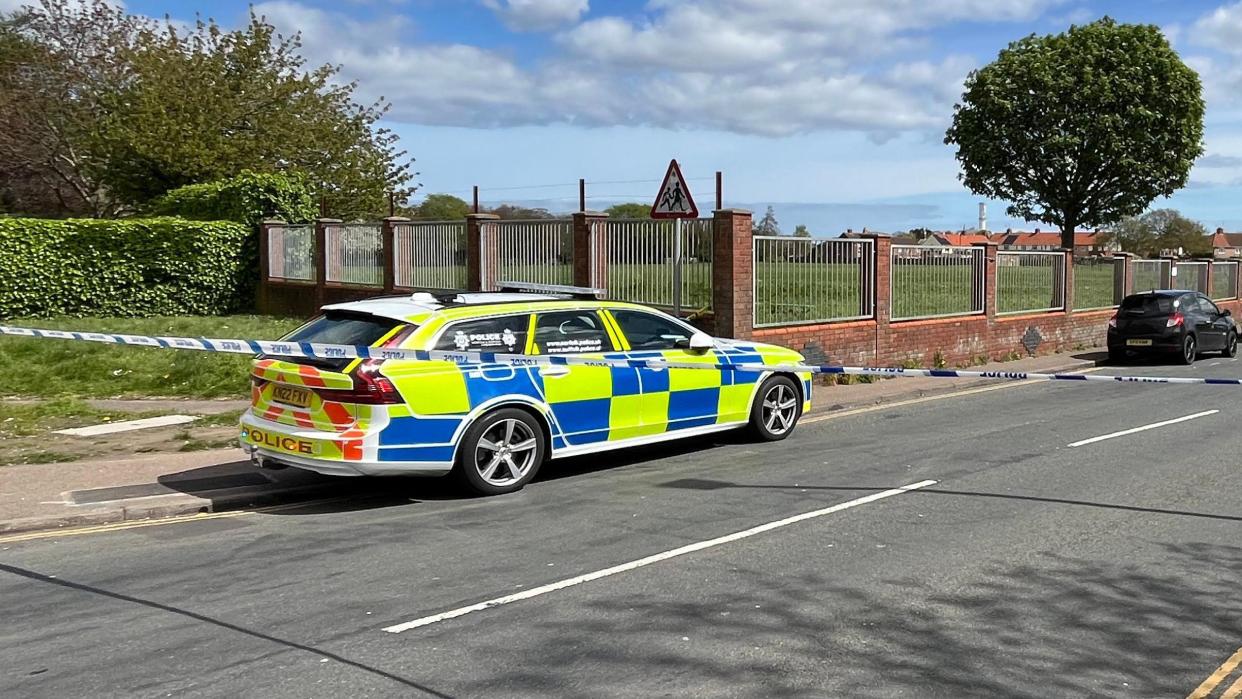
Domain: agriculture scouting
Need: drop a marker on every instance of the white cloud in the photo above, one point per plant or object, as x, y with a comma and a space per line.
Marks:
1220, 29
764, 67
537, 15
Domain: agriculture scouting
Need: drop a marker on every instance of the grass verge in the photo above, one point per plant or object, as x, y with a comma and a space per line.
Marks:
53, 368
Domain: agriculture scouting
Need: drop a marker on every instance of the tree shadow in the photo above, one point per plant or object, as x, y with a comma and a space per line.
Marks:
1052, 625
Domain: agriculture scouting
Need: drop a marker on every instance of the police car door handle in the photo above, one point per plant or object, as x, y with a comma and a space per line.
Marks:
554, 370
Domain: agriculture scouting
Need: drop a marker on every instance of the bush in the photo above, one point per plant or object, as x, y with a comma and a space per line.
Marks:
248, 198
134, 267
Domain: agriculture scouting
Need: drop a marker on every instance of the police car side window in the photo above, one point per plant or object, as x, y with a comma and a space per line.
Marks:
570, 332
505, 334
646, 331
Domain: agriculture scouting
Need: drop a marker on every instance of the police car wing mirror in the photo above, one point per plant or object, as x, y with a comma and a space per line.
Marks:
700, 342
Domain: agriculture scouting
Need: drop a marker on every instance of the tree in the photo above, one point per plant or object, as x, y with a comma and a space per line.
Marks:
440, 207
121, 109
630, 210
767, 225
1080, 128
801, 231
1161, 230
512, 212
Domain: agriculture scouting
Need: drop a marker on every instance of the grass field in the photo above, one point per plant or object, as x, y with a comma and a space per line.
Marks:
1093, 285
52, 368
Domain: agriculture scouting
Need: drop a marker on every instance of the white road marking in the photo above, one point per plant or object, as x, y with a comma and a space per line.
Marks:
1144, 428
656, 558
128, 425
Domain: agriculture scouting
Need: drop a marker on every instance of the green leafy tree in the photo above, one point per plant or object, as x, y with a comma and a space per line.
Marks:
117, 109
440, 207
1080, 128
801, 231
768, 224
629, 210
1156, 232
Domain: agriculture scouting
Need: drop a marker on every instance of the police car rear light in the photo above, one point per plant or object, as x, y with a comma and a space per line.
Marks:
370, 388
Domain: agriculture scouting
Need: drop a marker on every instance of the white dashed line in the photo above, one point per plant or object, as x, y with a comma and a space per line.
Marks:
1144, 428
656, 558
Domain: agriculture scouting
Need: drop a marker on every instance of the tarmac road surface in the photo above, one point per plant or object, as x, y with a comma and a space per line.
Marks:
1029, 568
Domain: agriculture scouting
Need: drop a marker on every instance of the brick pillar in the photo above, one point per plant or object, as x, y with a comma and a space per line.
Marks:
1207, 276
988, 283
590, 252
388, 249
321, 257
733, 302
882, 293
1067, 281
1123, 275
480, 273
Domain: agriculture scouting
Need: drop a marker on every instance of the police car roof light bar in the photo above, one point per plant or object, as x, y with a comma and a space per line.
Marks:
578, 292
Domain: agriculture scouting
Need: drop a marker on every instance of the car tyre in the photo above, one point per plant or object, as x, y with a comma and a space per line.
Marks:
1231, 344
1190, 349
501, 452
776, 409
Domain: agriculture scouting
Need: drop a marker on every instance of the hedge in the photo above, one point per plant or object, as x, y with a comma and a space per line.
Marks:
249, 198
131, 267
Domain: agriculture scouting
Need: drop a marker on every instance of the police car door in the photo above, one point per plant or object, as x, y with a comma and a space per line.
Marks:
590, 403
680, 398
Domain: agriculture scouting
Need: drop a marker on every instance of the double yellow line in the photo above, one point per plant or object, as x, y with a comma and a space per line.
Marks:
1210, 684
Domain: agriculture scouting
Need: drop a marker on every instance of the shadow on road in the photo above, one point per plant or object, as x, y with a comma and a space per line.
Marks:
293, 645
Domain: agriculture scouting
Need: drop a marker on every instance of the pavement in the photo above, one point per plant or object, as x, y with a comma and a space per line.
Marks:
88, 492
952, 546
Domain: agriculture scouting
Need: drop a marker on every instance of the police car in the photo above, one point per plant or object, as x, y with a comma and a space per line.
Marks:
493, 425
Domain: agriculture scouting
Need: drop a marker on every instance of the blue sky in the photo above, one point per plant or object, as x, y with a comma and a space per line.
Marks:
832, 111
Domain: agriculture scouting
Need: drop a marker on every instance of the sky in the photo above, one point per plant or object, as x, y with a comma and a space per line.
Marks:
833, 112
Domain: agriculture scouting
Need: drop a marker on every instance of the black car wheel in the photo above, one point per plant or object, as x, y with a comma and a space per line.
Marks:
776, 409
501, 452
1190, 349
1231, 344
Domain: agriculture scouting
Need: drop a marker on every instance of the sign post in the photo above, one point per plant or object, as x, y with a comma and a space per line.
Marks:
674, 201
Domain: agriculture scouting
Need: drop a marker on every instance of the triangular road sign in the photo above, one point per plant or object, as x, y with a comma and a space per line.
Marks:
674, 200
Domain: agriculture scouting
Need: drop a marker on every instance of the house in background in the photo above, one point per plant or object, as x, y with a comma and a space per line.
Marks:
1226, 245
1086, 243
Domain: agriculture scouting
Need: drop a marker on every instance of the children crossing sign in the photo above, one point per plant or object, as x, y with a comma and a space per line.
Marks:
673, 199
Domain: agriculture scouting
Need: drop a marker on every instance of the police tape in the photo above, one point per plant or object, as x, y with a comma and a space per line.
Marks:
277, 348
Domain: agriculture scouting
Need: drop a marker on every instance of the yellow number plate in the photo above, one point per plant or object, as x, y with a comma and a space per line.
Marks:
292, 395
1138, 343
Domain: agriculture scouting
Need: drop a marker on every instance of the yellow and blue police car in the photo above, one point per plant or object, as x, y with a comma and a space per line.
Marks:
493, 425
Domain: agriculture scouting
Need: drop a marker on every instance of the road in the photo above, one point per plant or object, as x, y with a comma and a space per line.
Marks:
1028, 569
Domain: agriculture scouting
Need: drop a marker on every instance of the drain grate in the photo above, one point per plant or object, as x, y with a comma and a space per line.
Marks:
146, 490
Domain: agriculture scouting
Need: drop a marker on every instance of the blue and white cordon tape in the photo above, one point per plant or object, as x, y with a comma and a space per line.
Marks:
322, 351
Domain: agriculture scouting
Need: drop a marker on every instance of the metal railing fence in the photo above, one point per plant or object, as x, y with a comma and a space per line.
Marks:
812, 280
1149, 275
537, 251
1030, 281
1192, 276
291, 252
1096, 282
429, 255
1224, 280
933, 282
355, 254
643, 265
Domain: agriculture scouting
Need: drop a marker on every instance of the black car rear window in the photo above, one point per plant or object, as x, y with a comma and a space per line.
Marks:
340, 328
1147, 305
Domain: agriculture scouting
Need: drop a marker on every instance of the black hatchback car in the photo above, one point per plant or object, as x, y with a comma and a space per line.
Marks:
1182, 323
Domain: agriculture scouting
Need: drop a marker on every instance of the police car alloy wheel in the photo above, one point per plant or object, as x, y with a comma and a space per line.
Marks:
776, 409
501, 452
